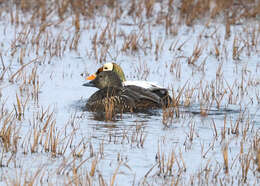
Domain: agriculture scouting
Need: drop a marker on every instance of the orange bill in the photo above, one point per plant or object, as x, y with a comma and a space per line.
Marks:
91, 77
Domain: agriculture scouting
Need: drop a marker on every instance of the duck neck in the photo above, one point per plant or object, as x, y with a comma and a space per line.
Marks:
119, 71
115, 84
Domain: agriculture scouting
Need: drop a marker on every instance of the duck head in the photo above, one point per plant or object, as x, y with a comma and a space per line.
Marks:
105, 79
109, 67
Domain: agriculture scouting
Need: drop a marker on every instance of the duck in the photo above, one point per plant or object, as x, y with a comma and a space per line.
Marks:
153, 87
114, 97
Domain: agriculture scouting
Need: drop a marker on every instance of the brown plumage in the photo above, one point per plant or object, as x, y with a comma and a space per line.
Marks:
114, 97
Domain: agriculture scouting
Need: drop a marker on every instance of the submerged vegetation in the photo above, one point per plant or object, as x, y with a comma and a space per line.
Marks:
206, 52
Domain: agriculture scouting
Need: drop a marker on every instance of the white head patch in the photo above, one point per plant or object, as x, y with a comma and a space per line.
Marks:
108, 67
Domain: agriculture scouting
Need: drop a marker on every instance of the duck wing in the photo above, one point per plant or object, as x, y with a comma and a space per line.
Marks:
143, 98
163, 93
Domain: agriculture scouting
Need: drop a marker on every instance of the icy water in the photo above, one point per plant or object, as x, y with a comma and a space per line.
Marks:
211, 137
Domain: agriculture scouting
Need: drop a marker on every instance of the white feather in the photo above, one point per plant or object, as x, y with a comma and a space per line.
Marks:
144, 84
